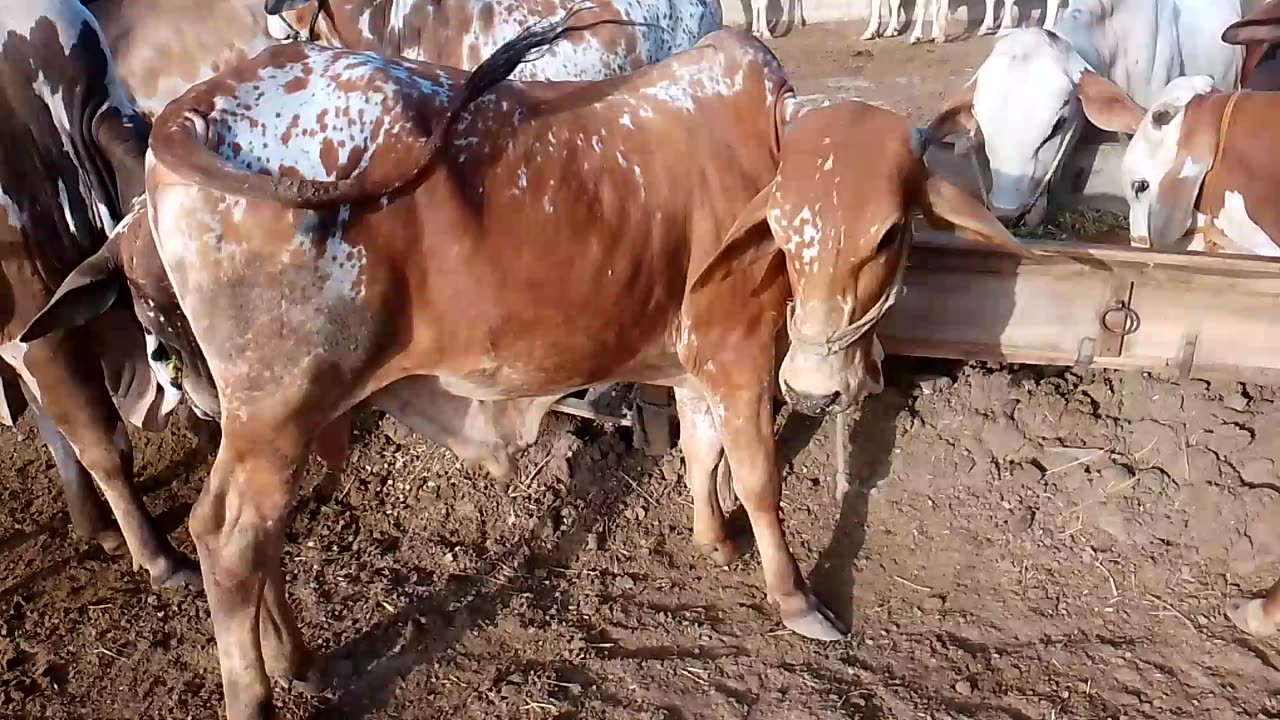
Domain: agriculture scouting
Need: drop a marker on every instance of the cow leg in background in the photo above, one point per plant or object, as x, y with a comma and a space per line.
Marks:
759, 21
941, 14
917, 21
238, 525
1050, 13
1006, 17
90, 517
702, 449
74, 394
1260, 617
989, 20
873, 21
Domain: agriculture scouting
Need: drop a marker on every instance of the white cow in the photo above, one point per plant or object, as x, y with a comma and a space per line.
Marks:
940, 11
1024, 107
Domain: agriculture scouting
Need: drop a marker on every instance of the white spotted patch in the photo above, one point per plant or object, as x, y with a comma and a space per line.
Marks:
1241, 230
13, 353
264, 127
13, 216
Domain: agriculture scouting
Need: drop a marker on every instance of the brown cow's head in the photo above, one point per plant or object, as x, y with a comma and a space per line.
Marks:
840, 212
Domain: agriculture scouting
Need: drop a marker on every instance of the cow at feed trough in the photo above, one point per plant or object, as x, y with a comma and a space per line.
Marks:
460, 34
1259, 34
73, 147
1200, 171
1137, 45
492, 245
939, 11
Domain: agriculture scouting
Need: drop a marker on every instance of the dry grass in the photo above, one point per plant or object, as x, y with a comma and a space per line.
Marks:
1081, 224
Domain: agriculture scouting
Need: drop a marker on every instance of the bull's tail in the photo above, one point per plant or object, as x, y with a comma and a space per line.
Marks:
182, 142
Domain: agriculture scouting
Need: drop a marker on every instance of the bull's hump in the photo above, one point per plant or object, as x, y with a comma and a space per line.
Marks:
323, 115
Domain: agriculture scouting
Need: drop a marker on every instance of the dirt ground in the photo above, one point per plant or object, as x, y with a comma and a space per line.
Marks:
1023, 543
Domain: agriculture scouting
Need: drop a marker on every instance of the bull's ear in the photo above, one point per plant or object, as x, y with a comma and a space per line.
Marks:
1107, 106
86, 293
742, 248
957, 117
1260, 26
947, 207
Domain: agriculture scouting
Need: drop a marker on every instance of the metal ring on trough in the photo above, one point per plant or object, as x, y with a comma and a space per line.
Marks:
1131, 322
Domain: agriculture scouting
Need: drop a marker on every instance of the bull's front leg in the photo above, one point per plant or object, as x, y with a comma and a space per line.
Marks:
746, 428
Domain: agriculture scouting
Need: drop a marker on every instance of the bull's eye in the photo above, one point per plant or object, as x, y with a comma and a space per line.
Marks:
1140, 186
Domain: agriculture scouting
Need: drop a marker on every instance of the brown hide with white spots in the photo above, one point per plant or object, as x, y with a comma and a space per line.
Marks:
461, 33
1238, 193
163, 47
71, 160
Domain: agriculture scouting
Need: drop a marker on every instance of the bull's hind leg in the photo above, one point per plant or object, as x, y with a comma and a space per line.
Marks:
238, 525
74, 395
90, 517
1260, 617
702, 449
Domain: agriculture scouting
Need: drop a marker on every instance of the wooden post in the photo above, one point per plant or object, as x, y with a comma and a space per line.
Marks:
844, 451
654, 417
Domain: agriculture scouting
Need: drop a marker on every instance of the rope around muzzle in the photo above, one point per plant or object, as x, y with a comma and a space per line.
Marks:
840, 340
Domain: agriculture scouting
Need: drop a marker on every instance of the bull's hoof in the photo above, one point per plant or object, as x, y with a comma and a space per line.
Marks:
984, 30
913, 40
317, 683
723, 553
112, 541
813, 620
1248, 615
185, 575
870, 34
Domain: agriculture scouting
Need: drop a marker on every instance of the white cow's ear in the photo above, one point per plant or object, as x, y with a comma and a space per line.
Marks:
1107, 106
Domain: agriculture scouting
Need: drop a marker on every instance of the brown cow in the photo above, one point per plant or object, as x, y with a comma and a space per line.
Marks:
342, 228
1259, 33
1201, 169
163, 47
460, 33
71, 160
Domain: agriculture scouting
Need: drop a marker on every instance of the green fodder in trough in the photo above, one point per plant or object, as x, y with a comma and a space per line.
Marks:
1081, 225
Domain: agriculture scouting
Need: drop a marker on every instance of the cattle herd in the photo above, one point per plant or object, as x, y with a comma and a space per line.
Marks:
458, 212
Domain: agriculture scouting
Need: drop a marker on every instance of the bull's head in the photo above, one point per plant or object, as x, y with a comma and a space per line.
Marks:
1024, 109
128, 265
1166, 163
840, 211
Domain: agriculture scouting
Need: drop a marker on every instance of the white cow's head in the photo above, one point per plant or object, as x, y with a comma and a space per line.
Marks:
1024, 108
1165, 165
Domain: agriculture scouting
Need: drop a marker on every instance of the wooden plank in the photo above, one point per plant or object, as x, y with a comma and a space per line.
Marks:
580, 407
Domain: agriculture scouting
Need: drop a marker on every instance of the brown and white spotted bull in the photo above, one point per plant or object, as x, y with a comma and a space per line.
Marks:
1259, 33
341, 228
1201, 170
461, 33
163, 47
71, 158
